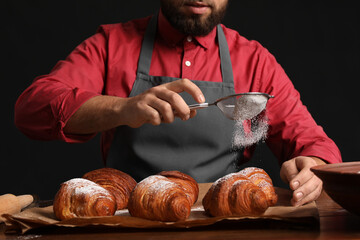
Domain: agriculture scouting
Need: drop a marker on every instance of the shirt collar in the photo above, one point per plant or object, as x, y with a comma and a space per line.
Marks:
173, 37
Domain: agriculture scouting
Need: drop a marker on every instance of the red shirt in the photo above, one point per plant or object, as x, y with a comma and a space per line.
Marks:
106, 63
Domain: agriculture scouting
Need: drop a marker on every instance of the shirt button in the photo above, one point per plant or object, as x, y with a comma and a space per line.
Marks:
189, 38
188, 63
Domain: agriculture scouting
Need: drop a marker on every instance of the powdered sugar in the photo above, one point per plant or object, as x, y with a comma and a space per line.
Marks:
248, 170
240, 181
249, 132
225, 178
251, 122
157, 183
87, 187
262, 184
249, 106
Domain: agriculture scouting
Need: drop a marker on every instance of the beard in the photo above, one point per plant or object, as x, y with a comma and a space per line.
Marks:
193, 25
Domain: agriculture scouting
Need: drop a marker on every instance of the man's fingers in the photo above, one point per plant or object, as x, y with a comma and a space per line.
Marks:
162, 103
307, 187
303, 162
164, 110
304, 175
169, 92
307, 194
185, 85
288, 170
175, 104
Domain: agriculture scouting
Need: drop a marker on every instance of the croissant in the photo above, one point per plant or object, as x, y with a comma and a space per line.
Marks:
80, 197
166, 197
190, 186
260, 178
118, 183
248, 192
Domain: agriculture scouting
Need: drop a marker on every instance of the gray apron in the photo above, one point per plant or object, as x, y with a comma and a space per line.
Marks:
200, 147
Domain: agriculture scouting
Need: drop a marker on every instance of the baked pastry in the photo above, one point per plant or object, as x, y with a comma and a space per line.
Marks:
120, 184
80, 197
260, 178
248, 192
167, 197
190, 186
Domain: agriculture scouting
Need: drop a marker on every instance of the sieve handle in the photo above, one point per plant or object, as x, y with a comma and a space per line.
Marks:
198, 105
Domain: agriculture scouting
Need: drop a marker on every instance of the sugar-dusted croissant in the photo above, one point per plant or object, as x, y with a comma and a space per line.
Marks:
260, 178
80, 197
240, 194
120, 184
167, 197
190, 186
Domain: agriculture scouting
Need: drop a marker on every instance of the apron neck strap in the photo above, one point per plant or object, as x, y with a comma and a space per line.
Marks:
148, 45
225, 60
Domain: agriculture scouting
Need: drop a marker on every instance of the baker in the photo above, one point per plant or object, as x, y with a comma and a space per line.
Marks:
133, 82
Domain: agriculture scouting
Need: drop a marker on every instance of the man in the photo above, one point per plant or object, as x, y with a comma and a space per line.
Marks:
130, 81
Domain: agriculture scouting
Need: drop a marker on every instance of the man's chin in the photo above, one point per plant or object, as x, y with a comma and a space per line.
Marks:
189, 22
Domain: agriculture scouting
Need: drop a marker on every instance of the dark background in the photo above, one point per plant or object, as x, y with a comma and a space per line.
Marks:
317, 44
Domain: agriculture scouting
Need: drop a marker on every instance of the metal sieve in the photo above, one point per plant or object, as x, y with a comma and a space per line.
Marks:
239, 106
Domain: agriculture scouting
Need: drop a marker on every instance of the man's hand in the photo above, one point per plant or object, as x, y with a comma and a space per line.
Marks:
156, 105
305, 185
161, 104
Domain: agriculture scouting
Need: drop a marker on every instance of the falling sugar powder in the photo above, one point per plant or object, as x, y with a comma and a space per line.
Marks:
249, 132
249, 106
251, 123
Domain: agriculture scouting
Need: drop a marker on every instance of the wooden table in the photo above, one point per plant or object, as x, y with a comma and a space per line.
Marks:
335, 223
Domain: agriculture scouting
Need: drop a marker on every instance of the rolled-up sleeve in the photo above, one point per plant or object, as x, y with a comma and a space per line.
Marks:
44, 108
